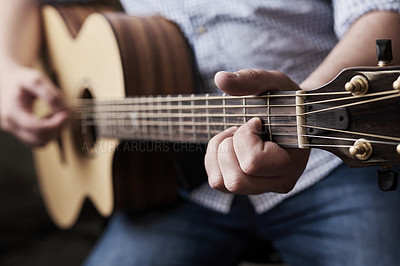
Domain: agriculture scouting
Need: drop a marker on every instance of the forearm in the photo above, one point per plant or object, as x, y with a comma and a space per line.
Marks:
19, 31
357, 47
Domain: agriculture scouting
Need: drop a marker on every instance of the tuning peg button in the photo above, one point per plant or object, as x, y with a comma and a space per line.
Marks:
362, 149
358, 85
384, 52
396, 84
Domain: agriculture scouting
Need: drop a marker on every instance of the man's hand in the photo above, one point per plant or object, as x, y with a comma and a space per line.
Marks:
19, 88
238, 160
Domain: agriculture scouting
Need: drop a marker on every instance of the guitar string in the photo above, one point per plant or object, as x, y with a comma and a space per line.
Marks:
148, 114
355, 133
188, 98
158, 124
148, 111
355, 103
285, 144
346, 132
125, 114
118, 105
290, 145
313, 136
199, 124
282, 144
336, 138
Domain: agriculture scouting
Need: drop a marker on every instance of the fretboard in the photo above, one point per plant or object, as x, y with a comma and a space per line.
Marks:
190, 118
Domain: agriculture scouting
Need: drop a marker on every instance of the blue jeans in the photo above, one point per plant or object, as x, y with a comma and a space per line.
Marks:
342, 220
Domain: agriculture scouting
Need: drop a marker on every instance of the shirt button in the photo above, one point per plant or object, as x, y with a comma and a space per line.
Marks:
201, 30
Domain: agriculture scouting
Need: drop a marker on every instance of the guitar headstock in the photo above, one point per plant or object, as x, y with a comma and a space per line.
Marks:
357, 116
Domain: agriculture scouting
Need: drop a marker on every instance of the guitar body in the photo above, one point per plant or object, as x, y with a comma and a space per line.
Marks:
107, 55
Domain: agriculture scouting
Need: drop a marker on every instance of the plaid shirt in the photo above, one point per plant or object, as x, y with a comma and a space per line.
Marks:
292, 36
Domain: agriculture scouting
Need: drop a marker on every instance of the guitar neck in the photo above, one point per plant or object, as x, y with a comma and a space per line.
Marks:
190, 118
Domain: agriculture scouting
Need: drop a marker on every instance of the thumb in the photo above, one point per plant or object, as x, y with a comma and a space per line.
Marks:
253, 82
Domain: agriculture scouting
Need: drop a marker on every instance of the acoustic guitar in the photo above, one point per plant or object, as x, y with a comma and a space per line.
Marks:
131, 78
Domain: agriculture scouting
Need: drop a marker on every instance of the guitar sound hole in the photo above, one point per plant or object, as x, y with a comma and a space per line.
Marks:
84, 129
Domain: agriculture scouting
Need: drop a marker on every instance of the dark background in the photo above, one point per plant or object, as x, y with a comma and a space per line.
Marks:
27, 236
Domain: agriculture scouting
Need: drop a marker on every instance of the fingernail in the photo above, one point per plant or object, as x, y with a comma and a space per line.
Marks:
231, 74
254, 119
256, 122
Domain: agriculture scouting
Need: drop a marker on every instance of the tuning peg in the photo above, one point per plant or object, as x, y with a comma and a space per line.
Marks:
384, 52
396, 84
358, 85
387, 179
361, 149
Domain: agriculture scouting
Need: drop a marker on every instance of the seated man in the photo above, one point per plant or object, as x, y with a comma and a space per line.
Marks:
333, 214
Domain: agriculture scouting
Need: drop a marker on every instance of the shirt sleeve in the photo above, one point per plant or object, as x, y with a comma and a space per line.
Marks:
346, 12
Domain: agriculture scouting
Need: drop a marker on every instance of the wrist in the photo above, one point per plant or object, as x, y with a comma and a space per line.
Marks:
9, 65
8, 62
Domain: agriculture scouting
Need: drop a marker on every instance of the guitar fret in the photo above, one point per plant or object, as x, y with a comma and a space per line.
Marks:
135, 120
159, 111
150, 116
143, 128
269, 116
151, 119
106, 129
207, 117
114, 126
224, 109
169, 121
103, 128
181, 132
244, 111
193, 118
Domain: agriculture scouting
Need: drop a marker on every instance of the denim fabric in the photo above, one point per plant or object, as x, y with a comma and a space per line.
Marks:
342, 220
